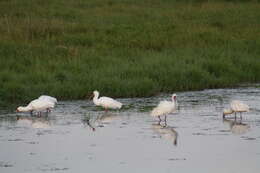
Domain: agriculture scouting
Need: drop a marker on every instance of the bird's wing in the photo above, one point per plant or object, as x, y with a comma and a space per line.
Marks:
237, 105
33, 102
48, 98
109, 102
164, 107
41, 104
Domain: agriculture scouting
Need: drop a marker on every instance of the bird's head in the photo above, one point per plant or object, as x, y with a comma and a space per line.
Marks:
174, 97
19, 109
93, 94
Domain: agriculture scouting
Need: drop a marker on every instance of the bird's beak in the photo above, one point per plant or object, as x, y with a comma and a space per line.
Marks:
90, 97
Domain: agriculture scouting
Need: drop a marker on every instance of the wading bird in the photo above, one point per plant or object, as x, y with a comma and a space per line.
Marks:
236, 106
106, 102
36, 105
164, 108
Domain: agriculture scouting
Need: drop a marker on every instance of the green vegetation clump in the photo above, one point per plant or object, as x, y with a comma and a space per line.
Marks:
125, 48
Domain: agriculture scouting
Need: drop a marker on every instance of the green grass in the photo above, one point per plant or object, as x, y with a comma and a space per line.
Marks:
125, 48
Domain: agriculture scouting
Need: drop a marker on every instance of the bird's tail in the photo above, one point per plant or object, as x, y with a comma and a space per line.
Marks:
118, 105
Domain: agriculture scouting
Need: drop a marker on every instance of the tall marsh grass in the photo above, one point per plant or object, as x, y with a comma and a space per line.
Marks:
125, 48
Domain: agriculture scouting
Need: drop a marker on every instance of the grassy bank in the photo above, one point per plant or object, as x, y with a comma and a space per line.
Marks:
125, 48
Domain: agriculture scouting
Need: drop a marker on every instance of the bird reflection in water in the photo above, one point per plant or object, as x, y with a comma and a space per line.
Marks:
100, 120
166, 132
107, 118
34, 122
86, 122
236, 126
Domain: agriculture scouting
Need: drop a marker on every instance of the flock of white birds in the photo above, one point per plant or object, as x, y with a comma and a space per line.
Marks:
46, 103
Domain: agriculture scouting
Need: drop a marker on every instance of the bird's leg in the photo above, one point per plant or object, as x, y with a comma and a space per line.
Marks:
31, 112
240, 115
165, 120
48, 110
106, 110
235, 115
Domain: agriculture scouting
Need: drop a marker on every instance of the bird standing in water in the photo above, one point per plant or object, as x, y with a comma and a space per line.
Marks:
106, 102
164, 108
236, 106
36, 105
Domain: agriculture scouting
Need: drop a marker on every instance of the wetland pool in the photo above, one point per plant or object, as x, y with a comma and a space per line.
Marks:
78, 137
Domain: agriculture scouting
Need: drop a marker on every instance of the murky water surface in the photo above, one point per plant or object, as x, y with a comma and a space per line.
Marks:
78, 137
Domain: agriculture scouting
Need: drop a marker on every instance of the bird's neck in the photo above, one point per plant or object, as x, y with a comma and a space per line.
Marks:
174, 101
25, 108
228, 111
95, 99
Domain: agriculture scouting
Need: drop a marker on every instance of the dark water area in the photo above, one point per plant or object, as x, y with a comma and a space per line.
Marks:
79, 137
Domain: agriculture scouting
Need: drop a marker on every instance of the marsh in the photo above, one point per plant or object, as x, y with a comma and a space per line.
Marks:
129, 140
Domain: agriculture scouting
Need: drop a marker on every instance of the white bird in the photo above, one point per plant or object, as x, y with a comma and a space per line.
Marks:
36, 105
48, 98
106, 102
164, 108
236, 106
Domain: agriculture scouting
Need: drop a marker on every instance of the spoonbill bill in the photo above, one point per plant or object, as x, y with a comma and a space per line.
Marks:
164, 108
36, 105
236, 106
106, 102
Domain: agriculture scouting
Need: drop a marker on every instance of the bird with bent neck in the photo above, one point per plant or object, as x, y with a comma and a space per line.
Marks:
106, 102
36, 105
236, 106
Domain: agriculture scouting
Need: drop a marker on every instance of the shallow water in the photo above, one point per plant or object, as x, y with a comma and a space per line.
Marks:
79, 137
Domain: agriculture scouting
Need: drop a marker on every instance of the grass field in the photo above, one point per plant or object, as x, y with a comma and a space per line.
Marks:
125, 48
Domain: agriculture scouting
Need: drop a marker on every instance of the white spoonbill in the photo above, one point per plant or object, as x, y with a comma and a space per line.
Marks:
164, 108
36, 105
236, 106
48, 98
106, 102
